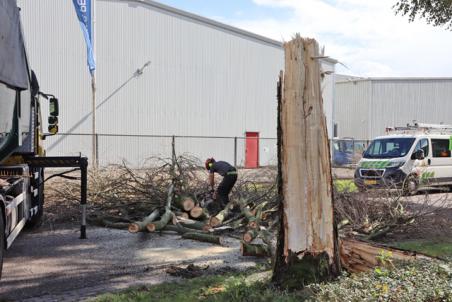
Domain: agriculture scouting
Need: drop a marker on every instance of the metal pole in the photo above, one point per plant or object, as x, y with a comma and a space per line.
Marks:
235, 151
173, 148
93, 134
97, 150
83, 194
93, 83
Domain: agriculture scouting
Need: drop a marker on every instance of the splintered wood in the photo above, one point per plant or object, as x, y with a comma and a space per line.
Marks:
306, 172
358, 256
307, 230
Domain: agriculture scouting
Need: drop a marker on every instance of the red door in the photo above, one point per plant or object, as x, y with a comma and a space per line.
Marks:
252, 150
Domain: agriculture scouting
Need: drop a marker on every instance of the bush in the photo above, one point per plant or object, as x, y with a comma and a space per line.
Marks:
409, 281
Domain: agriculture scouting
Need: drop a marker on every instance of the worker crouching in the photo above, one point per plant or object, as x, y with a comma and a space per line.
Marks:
229, 173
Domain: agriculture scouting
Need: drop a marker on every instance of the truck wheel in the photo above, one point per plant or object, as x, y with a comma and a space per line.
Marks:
38, 200
2, 241
410, 186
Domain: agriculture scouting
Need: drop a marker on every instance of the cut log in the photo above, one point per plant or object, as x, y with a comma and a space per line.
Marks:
255, 250
186, 203
307, 249
140, 226
253, 223
198, 213
203, 237
250, 235
160, 224
358, 256
220, 217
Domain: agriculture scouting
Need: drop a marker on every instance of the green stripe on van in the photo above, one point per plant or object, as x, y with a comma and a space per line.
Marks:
380, 164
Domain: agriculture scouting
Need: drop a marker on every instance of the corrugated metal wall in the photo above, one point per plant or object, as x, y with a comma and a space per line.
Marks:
204, 80
352, 109
366, 107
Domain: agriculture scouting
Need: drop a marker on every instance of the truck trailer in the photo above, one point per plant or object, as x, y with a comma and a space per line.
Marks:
22, 154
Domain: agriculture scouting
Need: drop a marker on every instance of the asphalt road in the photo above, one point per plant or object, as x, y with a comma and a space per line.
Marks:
57, 266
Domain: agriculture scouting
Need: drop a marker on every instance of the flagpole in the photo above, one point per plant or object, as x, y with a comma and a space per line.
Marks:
93, 86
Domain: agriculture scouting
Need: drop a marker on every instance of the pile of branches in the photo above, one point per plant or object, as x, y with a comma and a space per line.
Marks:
373, 214
173, 194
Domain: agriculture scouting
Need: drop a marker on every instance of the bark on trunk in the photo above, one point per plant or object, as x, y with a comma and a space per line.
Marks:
307, 241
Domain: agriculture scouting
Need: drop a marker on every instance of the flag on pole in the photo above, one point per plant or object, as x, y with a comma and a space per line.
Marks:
83, 10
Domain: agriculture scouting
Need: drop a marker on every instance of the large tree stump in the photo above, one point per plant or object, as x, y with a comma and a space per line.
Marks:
307, 243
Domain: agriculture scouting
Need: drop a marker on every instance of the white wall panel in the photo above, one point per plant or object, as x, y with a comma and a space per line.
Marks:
375, 104
205, 78
352, 109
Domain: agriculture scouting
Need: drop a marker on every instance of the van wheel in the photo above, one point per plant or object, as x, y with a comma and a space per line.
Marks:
2, 241
410, 186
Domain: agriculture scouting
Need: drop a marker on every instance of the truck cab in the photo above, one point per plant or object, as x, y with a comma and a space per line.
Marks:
409, 158
21, 135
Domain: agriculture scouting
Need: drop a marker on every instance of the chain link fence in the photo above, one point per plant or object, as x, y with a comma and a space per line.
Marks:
136, 150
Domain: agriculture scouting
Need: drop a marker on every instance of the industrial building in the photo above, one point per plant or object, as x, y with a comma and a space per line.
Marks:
211, 85
366, 106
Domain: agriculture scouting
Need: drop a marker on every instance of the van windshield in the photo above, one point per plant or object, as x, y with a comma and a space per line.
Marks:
389, 147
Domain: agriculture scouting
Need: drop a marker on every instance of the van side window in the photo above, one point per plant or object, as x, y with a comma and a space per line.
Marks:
440, 148
423, 145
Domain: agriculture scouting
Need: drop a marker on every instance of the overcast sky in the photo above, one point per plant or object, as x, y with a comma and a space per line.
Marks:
364, 35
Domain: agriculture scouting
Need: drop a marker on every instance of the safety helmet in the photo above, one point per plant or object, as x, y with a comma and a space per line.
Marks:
209, 163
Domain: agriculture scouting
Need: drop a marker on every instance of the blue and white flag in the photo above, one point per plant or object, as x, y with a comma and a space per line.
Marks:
83, 10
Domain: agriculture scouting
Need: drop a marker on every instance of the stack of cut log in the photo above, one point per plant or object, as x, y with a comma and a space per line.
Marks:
185, 217
256, 240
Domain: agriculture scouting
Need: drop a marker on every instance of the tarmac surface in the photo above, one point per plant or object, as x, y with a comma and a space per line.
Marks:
55, 265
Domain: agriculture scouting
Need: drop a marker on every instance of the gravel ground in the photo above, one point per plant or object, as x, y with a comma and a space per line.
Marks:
54, 265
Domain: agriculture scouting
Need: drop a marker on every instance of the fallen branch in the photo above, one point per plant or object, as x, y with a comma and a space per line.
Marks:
203, 237
256, 250
166, 217
191, 224
358, 256
140, 226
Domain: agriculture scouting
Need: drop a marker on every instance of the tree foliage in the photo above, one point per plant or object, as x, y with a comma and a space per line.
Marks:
435, 12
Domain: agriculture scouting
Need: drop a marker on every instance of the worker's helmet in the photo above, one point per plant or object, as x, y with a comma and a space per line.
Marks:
209, 163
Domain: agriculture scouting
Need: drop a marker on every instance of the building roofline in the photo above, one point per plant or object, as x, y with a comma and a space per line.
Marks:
205, 20
382, 79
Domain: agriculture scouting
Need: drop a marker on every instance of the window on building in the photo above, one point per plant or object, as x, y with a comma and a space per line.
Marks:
440, 148
423, 145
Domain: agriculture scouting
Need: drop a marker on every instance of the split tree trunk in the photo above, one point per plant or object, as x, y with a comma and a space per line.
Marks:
358, 256
307, 248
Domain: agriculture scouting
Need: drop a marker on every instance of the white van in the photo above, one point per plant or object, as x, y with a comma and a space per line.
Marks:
409, 157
